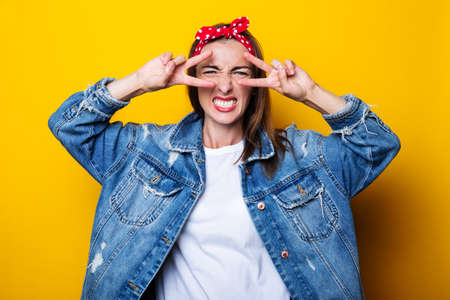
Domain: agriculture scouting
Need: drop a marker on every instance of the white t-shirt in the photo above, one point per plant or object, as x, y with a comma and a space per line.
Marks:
219, 254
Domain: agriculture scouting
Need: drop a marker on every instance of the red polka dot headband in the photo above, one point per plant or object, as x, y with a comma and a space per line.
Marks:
208, 33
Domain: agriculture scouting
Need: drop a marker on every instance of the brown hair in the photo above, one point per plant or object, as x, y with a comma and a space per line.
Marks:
256, 117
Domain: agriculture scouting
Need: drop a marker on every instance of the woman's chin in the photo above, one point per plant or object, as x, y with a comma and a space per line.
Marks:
224, 118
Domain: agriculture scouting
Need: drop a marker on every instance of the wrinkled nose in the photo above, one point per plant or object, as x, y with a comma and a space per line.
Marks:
224, 85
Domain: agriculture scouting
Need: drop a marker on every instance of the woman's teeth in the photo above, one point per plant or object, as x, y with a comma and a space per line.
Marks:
225, 104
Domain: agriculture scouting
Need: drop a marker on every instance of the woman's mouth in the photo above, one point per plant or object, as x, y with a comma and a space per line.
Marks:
223, 104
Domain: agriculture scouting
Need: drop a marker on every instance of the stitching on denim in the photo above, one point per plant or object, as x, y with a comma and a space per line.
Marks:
86, 153
106, 96
97, 231
112, 256
309, 235
334, 179
124, 156
369, 168
85, 104
280, 237
58, 126
332, 271
166, 171
89, 99
350, 248
174, 133
282, 182
348, 130
199, 170
169, 228
382, 125
152, 212
256, 156
321, 201
290, 216
131, 233
348, 245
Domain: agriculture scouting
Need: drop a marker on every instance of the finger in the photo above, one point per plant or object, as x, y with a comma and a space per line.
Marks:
291, 67
165, 57
277, 64
281, 70
179, 60
258, 82
198, 58
170, 67
258, 62
192, 81
282, 75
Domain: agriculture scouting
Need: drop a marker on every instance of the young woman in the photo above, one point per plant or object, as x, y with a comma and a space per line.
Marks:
221, 205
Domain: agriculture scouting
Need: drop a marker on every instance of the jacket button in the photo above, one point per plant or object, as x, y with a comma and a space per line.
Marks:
284, 254
261, 205
247, 171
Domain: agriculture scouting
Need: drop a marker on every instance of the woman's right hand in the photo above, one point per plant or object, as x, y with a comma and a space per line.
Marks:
164, 71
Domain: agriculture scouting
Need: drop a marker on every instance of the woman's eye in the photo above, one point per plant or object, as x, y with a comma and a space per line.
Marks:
237, 73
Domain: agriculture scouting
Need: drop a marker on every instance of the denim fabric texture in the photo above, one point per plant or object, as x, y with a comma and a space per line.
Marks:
152, 175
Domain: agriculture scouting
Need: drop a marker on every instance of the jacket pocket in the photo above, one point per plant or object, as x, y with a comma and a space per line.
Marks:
308, 207
144, 194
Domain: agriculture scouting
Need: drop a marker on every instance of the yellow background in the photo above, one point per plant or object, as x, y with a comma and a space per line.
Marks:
394, 54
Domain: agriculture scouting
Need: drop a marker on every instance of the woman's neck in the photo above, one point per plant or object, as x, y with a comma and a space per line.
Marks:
219, 135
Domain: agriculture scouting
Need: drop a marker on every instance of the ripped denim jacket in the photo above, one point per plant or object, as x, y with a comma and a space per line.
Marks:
152, 175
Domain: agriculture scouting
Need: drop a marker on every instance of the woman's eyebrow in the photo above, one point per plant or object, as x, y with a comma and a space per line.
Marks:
210, 66
240, 67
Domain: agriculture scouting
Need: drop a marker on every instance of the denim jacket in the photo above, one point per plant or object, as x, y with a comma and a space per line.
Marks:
152, 175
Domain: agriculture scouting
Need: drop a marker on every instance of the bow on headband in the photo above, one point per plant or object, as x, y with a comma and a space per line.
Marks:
208, 33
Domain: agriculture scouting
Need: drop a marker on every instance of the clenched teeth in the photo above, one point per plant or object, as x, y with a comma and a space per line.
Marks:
225, 104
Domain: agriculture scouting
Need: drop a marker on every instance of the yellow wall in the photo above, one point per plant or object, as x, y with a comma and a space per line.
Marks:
394, 54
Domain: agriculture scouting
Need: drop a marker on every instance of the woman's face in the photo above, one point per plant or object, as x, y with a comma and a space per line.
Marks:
225, 103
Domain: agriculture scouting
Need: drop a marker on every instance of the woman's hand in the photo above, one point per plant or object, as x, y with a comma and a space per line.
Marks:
165, 71
288, 79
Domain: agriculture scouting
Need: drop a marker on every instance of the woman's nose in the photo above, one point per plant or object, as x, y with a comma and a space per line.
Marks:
224, 84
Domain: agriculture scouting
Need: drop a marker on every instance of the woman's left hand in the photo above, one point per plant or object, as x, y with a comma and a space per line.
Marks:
288, 79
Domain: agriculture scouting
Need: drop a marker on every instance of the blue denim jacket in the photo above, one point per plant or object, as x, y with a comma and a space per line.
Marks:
152, 176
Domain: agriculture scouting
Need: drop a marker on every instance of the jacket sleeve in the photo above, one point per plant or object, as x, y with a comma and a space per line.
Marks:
82, 126
360, 146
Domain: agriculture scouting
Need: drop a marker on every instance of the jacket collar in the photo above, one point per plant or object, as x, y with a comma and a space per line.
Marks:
187, 136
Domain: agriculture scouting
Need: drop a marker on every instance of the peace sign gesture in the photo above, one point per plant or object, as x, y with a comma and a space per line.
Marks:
289, 79
164, 71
